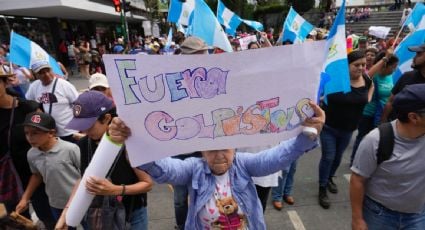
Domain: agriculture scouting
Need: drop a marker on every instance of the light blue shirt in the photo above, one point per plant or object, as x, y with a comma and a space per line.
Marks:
195, 173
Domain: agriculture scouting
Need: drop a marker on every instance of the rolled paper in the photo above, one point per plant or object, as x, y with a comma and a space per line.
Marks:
99, 166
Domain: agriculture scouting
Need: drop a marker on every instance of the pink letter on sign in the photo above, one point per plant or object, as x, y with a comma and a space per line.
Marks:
153, 126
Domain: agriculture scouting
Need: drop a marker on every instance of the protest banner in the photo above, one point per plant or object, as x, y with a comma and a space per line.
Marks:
244, 42
186, 103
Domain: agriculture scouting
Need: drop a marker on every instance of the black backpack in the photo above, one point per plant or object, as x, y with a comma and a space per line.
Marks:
386, 142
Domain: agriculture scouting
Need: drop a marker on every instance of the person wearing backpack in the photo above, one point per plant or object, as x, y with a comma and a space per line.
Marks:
387, 184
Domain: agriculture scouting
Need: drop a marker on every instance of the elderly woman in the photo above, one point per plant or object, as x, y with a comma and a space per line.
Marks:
222, 193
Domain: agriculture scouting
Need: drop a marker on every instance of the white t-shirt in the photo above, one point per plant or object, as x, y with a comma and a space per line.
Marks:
65, 93
221, 211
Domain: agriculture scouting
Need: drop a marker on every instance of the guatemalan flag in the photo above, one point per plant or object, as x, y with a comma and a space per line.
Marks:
25, 52
416, 22
169, 39
335, 75
295, 28
227, 18
181, 12
254, 24
206, 26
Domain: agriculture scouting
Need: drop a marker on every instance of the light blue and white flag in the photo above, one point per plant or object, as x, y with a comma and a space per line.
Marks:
25, 52
412, 19
416, 22
227, 18
169, 39
206, 26
295, 27
181, 12
335, 75
254, 24
181, 28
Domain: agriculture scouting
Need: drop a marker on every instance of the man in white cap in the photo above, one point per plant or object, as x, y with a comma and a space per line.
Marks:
99, 82
56, 96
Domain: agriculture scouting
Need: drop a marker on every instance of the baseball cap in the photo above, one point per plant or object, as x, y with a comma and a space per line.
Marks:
87, 108
39, 65
118, 49
420, 48
192, 45
154, 46
98, 79
40, 120
410, 99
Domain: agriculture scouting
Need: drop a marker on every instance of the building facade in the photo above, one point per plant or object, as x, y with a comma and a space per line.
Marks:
49, 21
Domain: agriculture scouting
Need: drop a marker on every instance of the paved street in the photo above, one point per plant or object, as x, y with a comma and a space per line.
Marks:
305, 214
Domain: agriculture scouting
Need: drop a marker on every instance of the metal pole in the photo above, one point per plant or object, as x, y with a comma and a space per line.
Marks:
124, 22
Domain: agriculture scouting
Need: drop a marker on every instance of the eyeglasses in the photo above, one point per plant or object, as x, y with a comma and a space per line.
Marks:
99, 88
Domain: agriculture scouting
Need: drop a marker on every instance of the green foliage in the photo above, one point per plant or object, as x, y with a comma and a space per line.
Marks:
303, 6
261, 11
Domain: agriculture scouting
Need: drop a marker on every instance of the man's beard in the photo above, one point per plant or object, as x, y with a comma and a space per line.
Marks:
416, 67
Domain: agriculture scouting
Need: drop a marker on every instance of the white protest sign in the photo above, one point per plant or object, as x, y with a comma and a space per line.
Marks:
379, 31
244, 42
185, 103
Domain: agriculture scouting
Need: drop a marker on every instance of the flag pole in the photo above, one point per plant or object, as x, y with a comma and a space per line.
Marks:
402, 26
398, 35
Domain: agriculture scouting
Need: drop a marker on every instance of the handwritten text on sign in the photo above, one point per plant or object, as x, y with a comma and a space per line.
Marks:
180, 104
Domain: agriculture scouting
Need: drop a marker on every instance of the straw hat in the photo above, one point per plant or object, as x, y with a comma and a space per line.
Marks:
6, 71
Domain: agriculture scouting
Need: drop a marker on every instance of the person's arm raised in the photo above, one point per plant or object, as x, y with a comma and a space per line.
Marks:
281, 156
378, 66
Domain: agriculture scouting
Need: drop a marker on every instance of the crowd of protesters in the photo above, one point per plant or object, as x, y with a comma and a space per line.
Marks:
49, 133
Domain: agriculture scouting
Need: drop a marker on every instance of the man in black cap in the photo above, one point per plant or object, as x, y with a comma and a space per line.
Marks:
390, 194
417, 76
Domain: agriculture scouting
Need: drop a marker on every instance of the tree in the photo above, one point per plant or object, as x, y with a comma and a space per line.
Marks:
326, 5
301, 6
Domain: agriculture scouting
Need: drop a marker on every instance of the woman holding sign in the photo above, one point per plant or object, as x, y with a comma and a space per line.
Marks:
222, 193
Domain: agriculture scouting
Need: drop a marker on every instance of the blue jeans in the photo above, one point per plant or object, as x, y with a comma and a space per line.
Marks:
366, 125
139, 219
284, 187
41, 206
378, 217
180, 205
334, 142
57, 214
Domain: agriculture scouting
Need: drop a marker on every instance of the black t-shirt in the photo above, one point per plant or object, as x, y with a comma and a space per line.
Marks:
408, 78
344, 111
122, 174
19, 145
